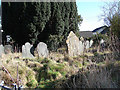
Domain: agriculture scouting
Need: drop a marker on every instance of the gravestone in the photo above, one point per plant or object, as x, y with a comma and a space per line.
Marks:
8, 49
0, 37
81, 47
23, 51
26, 51
1, 50
87, 44
73, 44
101, 41
91, 42
42, 50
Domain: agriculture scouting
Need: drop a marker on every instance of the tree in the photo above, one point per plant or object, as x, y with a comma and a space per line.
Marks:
97, 38
40, 21
111, 16
80, 19
26, 20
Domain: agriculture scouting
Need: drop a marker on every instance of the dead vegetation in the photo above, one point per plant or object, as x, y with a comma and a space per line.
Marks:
91, 70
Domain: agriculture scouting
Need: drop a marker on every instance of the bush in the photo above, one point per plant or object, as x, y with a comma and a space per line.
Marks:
31, 79
54, 42
32, 84
96, 54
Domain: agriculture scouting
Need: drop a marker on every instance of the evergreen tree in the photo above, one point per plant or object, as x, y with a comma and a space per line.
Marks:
49, 22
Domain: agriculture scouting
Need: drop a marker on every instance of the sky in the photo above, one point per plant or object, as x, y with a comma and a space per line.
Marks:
91, 11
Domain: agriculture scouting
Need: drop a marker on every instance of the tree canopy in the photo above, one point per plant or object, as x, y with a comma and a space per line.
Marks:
32, 22
112, 17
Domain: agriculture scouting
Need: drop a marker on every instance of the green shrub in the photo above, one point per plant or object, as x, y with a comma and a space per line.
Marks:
57, 67
7, 61
63, 73
96, 54
21, 71
53, 42
32, 84
35, 68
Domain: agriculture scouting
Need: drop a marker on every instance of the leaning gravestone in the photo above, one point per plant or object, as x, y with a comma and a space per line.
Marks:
1, 50
26, 51
42, 50
8, 49
73, 44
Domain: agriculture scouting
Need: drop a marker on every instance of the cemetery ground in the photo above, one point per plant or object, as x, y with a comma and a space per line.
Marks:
59, 70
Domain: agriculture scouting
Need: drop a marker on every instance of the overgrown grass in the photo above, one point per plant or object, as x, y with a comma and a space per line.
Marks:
85, 71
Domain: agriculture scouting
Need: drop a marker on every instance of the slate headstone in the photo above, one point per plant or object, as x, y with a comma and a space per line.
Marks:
73, 44
8, 49
42, 50
1, 50
26, 51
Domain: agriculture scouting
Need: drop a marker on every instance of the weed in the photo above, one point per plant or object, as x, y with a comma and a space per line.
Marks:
7, 61
32, 84
21, 72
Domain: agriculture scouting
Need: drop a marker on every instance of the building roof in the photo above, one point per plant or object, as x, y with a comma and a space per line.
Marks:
101, 30
86, 34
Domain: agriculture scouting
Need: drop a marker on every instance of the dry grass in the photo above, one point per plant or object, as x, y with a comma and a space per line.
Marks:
88, 75
10, 62
93, 77
28, 69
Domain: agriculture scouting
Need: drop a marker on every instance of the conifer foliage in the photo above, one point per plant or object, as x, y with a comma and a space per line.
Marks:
49, 22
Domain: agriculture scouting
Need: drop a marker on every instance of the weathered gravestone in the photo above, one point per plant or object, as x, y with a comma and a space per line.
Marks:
1, 50
27, 51
91, 42
23, 51
81, 47
73, 44
102, 41
8, 49
0, 37
42, 50
87, 44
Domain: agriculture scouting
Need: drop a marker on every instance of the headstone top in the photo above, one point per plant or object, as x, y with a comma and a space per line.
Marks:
27, 51
8, 49
42, 50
